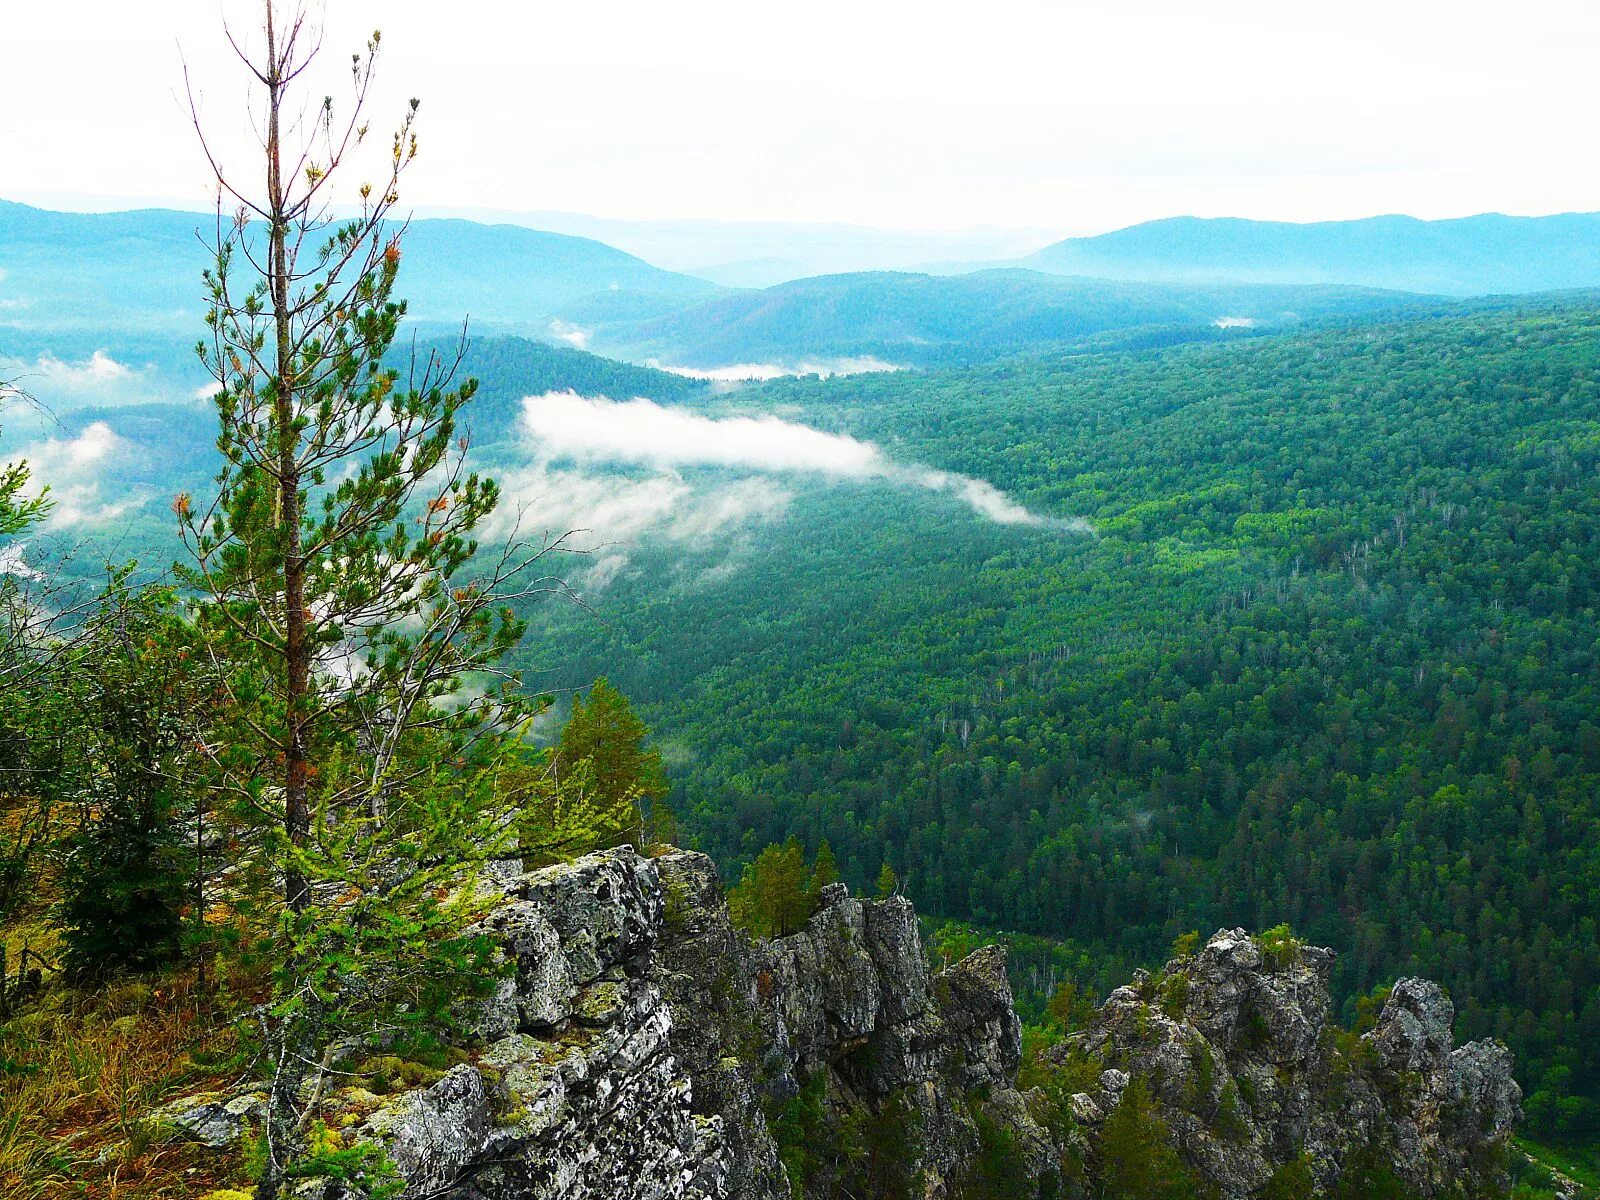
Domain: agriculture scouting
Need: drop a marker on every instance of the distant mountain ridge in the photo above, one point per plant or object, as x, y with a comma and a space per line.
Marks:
1466, 256
84, 272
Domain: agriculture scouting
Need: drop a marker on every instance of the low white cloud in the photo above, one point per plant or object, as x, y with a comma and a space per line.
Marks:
72, 468
572, 335
755, 372
13, 563
1234, 322
609, 515
95, 371
207, 390
641, 432
617, 473
99, 380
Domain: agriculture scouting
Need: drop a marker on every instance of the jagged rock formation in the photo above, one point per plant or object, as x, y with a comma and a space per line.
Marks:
1244, 1067
849, 1006
644, 1048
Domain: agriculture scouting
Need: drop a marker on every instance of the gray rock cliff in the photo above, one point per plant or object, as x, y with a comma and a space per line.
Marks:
642, 1047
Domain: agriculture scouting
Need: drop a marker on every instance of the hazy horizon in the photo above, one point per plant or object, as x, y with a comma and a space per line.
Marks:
1063, 118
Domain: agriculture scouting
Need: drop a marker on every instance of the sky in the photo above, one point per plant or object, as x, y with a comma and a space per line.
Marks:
1061, 115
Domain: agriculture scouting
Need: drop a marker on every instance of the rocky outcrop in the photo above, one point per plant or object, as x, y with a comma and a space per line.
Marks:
640, 1046
848, 1003
1245, 1070
576, 1091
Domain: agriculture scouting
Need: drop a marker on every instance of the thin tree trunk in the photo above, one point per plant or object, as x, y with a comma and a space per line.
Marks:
296, 805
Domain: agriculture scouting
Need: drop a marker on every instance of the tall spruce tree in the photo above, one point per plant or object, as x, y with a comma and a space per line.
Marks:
337, 559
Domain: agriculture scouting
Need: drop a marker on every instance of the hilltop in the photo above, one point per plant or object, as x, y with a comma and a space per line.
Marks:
1480, 255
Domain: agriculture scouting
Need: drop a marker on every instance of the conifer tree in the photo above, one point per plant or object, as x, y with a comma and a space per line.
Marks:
562, 814
888, 882
605, 731
343, 591
826, 870
18, 510
138, 695
772, 897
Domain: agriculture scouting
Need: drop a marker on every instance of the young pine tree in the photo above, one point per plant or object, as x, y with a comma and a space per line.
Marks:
825, 871
342, 588
773, 897
888, 882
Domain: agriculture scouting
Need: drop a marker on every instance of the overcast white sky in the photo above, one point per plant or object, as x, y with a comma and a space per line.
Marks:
1072, 116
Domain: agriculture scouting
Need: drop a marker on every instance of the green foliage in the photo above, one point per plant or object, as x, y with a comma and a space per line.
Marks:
997, 1170
27, 818
1291, 1181
1172, 992
605, 732
773, 897
21, 507
1070, 1007
1279, 947
1135, 1158
796, 1127
328, 1160
825, 871
1533, 1167
562, 813
888, 882
1367, 1177
339, 576
833, 1146
1185, 944
32, 800
139, 690
1562, 1116
393, 949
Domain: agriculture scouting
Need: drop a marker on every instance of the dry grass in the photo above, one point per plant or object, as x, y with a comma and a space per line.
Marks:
81, 1067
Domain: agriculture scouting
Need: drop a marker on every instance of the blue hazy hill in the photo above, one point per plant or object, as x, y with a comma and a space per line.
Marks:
1480, 255
67, 273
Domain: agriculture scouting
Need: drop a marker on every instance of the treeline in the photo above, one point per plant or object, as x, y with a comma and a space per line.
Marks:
1332, 657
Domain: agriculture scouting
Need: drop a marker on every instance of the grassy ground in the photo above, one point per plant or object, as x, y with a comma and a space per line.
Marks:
80, 1068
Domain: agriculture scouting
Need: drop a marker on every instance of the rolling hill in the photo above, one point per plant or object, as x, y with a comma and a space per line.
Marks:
78, 276
927, 320
1479, 255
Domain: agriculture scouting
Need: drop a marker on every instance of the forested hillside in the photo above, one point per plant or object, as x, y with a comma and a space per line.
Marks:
1332, 658
510, 368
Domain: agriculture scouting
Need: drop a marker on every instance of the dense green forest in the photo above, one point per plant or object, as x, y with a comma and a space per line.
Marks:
1331, 657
